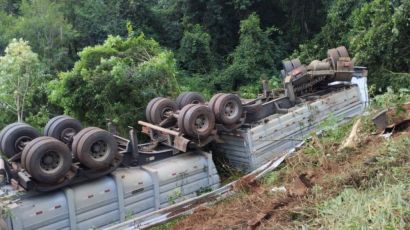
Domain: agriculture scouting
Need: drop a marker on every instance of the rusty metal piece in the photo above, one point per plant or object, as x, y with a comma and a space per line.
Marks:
161, 129
181, 143
380, 120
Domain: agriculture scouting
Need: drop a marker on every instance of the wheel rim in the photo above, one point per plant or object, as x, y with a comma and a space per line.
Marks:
21, 142
67, 134
201, 123
99, 150
165, 112
231, 109
50, 161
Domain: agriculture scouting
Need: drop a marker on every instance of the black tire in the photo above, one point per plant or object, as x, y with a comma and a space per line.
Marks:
47, 159
342, 51
6, 128
179, 99
16, 137
51, 121
333, 55
228, 109
199, 121
78, 137
149, 107
181, 117
160, 108
96, 149
190, 98
27, 149
211, 103
64, 129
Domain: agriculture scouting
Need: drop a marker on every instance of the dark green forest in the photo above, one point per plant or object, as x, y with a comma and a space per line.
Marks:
99, 60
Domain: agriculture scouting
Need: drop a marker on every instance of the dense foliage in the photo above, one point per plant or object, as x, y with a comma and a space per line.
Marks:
115, 81
201, 45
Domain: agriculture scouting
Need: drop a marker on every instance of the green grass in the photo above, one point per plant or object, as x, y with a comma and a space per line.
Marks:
382, 207
381, 199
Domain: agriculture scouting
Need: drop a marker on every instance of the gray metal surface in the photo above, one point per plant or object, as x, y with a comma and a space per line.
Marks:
126, 192
251, 147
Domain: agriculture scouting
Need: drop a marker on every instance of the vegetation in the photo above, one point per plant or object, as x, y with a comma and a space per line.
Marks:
85, 49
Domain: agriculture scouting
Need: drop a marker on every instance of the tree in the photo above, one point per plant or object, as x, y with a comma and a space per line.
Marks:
115, 80
44, 26
20, 72
253, 58
194, 53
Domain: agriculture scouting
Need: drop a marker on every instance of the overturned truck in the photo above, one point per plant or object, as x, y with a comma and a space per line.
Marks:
80, 178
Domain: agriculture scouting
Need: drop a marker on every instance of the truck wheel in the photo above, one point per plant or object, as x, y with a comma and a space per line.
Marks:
47, 159
228, 109
16, 137
181, 117
199, 121
96, 149
211, 103
179, 99
149, 107
333, 55
342, 51
190, 98
6, 128
160, 109
78, 137
63, 128
51, 121
27, 149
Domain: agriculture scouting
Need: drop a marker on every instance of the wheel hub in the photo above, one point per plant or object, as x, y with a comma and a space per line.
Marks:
201, 122
50, 161
230, 109
21, 142
67, 134
99, 150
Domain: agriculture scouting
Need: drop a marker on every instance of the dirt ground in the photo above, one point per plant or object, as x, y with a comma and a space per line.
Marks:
257, 207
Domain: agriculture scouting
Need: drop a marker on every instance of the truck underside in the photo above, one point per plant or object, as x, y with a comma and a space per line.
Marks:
81, 178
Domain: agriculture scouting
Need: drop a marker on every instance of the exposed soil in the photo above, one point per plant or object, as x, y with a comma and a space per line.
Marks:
257, 207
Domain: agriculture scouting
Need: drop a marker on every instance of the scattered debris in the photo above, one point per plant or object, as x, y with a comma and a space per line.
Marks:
353, 138
278, 189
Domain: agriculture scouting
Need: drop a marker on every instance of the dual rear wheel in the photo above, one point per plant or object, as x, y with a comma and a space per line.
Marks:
49, 158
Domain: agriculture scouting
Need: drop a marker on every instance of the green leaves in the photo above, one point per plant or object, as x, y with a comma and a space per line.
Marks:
115, 81
253, 59
20, 73
376, 34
